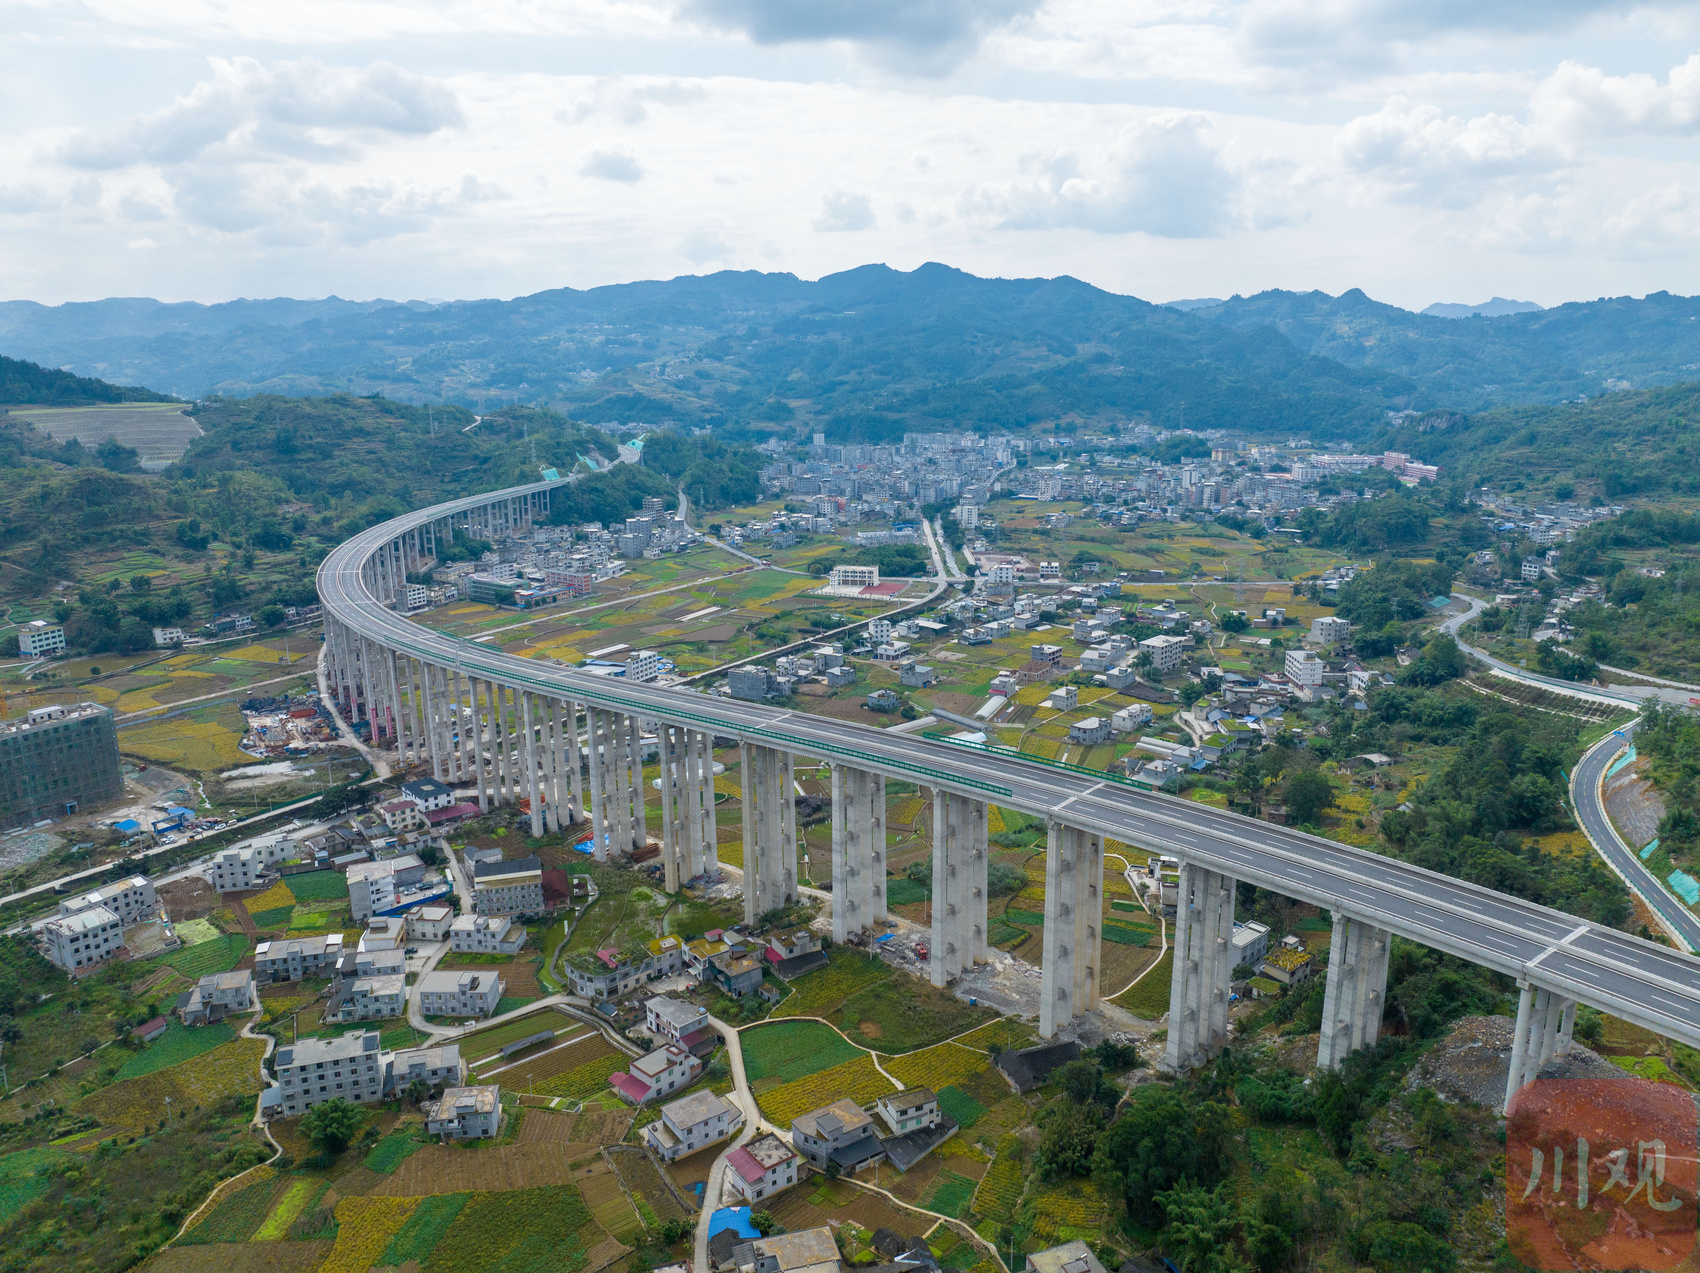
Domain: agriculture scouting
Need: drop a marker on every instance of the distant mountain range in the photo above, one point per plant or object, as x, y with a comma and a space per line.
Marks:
873, 352
1496, 308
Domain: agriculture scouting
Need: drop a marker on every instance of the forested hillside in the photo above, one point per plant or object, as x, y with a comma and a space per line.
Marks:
25, 382
1644, 444
274, 483
1475, 363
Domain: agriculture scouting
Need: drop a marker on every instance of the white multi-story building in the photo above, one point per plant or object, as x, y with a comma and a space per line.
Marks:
762, 1168
163, 637
691, 1123
1167, 651
459, 994
486, 935
643, 665
1130, 718
248, 866
418, 596
312, 1071
1304, 668
41, 639
854, 576
430, 922
465, 1113
879, 630
672, 1019
77, 943
1328, 629
293, 958
133, 900
430, 1066
662, 1072
911, 1110
371, 998
377, 886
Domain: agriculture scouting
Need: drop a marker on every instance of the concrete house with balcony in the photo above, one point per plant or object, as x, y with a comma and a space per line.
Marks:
79, 943
691, 1123
486, 935
508, 888
291, 959
842, 1132
459, 994
661, 1073
465, 1113
216, 996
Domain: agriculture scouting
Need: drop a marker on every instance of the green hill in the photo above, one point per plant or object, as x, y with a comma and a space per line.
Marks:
26, 382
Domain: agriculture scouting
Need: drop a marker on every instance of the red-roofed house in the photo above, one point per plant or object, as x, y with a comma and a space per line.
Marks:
763, 1167
453, 814
662, 1072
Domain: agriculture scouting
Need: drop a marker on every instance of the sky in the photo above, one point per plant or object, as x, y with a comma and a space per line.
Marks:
1422, 150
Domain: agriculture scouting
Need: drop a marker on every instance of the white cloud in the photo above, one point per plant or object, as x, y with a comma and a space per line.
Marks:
845, 210
1583, 101
1425, 156
1162, 176
297, 109
925, 37
612, 163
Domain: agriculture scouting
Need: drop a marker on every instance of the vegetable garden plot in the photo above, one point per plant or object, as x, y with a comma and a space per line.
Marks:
459, 1168
179, 1043
791, 1050
857, 1079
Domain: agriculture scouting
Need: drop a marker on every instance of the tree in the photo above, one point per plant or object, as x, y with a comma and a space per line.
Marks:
140, 583
1161, 1137
1306, 794
333, 1125
763, 1222
418, 1091
118, 458
270, 616
1200, 1228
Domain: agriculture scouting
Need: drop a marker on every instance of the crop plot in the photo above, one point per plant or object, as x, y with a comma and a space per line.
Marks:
857, 1079
179, 1043
232, 1069
459, 1168
791, 1050
824, 991
158, 431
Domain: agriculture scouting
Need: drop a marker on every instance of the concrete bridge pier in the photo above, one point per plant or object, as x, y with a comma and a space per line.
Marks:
770, 829
1357, 988
1073, 940
674, 788
858, 851
1203, 941
1545, 1022
708, 827
598, 784
531, 760
959, 886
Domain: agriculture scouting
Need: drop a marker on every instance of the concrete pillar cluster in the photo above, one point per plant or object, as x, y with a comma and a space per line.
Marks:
858, 851
770, 829
1203, 941
616, 783
1073, 941
959, 886
1357, 987
687, 803
1545, 1023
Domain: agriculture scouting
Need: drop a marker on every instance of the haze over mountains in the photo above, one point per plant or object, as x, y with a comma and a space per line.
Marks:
871, 352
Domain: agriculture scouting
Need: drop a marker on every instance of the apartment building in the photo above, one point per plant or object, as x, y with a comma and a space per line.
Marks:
133, 900
430, 1066
313, 1071
39, 639
508, 888
673, 1019
378, 886
1167, 652
459, 994
431, 922
54, 759
248, 866
78, 943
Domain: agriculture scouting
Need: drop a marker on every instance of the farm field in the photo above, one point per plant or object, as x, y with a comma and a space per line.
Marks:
158, 431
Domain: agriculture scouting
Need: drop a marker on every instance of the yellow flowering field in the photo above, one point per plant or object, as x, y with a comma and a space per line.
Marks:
937, 1067
230, 1069
857, 1079
364, 1228
274, 898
